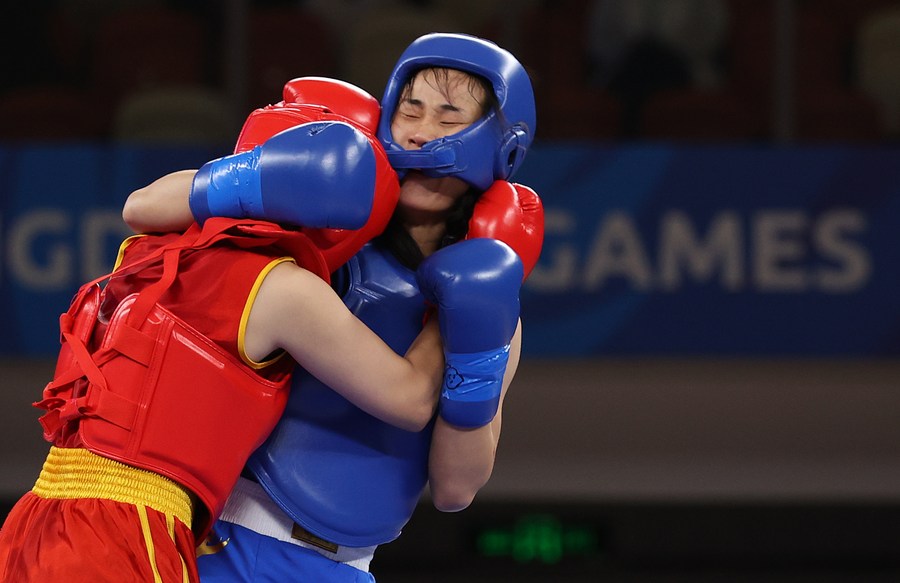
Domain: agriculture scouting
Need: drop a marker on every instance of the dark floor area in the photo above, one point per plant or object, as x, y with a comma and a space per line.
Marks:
646, 543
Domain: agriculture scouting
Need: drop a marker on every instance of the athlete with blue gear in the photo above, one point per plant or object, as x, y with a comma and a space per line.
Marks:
490, 149
332, 482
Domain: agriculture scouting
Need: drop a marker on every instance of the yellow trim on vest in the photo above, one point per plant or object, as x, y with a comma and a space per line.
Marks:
121, 254
245, 316
77, 473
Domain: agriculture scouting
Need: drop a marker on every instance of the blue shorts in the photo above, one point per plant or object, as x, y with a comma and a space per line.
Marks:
247, 556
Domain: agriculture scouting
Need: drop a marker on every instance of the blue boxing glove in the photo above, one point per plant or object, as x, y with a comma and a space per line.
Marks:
317, 174
475, 285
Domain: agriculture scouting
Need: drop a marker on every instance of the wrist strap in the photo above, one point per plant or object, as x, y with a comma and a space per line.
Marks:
470, 394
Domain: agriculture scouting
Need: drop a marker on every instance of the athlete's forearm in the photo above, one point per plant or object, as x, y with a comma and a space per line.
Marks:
162, 205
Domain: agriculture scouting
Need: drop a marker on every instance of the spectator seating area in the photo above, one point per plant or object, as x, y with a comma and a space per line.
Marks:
156, 71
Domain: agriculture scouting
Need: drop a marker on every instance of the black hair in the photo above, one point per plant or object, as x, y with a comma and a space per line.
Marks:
401, 244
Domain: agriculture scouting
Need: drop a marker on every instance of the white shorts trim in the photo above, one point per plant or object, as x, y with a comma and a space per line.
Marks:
249, 506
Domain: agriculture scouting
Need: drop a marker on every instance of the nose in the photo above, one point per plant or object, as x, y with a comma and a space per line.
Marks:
416, 140
422, 133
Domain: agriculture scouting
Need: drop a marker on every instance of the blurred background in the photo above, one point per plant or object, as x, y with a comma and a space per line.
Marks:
709, 389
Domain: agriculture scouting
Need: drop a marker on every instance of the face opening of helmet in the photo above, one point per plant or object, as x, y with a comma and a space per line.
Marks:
445, 80
491, 147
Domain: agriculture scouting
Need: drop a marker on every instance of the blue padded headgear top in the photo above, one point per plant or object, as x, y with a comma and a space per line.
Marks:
490, 149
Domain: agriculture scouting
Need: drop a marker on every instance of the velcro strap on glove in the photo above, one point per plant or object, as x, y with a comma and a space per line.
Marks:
473, 382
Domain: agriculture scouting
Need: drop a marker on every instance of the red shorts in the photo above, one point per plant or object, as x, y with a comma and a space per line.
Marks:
50, 536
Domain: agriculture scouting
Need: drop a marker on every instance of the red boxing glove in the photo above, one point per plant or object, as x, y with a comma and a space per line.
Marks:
309, 99
512, 213
342, 98
265, 122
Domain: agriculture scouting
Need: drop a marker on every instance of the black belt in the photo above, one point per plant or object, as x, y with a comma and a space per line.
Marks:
301, 534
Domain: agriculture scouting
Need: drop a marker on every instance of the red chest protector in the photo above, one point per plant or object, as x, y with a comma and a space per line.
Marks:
152, 391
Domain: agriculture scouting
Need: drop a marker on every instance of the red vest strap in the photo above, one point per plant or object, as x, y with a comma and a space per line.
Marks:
132, 343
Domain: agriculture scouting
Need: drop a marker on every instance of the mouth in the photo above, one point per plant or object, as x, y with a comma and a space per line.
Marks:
416, 176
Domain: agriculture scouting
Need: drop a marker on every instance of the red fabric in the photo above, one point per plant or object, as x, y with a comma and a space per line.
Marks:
90, 541
138, 407
211, 288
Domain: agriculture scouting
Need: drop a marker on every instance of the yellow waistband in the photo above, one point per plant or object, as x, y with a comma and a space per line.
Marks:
78, 473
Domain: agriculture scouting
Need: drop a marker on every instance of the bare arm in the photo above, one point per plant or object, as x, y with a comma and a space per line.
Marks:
161, 206
300, 313
461, 460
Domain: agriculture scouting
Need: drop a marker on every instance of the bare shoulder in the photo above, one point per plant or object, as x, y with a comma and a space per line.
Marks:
288, 277
289, 299
289, 289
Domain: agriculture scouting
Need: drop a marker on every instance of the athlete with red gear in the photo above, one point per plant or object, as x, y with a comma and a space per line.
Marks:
175, 371
332, 483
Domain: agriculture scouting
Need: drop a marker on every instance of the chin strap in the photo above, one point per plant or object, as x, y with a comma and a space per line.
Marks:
444, 155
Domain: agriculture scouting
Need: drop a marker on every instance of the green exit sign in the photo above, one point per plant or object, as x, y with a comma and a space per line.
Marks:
539, 538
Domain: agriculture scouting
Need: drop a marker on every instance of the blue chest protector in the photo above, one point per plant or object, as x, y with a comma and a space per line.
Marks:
337, 471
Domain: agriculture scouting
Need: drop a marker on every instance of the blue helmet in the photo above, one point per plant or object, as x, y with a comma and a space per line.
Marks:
490, 149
